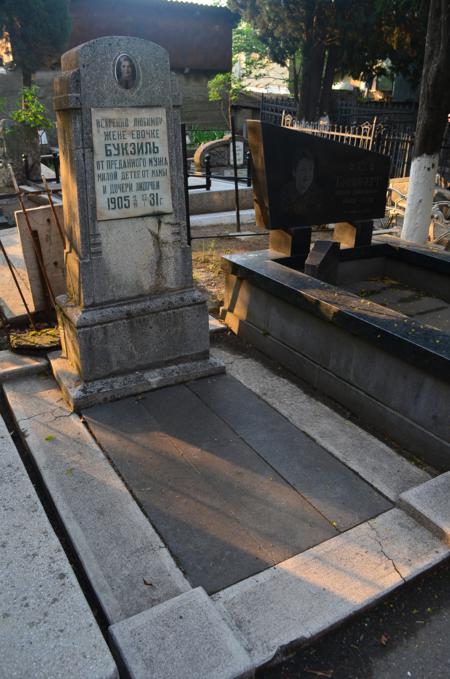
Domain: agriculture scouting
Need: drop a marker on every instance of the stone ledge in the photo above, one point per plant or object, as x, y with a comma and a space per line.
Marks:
184, 637
47, 629
16, 365
429, 504
81, 395
92, 316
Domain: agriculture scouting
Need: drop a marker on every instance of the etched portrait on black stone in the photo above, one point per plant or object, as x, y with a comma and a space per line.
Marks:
125, 71
301, 196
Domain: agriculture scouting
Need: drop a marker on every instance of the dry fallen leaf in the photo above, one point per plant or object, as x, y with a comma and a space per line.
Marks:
384, 639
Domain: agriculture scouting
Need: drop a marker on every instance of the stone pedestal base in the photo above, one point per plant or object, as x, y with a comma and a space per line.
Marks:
80, 394
110, 352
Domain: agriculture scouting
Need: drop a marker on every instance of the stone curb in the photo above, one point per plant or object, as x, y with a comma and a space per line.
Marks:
305, 596
429, 504
14, 365
221, 219
182, 637
47, 630
259, 617
118, 548
278, 609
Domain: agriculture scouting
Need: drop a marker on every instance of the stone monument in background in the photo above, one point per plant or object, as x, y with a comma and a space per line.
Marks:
131, 320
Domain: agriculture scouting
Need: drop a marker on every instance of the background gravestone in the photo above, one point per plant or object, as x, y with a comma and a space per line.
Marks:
131, 319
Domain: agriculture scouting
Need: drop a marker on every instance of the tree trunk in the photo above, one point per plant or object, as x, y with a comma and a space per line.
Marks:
294, 78
328, 79
312, 69
27, 78
434, 106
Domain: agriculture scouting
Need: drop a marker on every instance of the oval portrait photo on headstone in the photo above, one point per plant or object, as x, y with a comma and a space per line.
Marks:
125, 71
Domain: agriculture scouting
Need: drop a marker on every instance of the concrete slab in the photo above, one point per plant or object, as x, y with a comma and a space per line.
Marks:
17, 365
418, 305
327, 484
219, 199
48, 630
222, 218
127, 565
184, 637
388, 295
370, 458
10, 299
429, 503
222, 510
303, 597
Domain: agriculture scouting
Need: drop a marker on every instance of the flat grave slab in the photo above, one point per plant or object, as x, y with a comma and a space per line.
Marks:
209, 464
407, 300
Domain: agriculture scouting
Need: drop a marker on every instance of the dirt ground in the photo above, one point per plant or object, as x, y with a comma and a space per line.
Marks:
207, 253
206, 258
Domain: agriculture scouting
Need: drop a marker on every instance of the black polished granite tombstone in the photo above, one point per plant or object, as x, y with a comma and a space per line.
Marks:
231, 485
391, 370
301, 180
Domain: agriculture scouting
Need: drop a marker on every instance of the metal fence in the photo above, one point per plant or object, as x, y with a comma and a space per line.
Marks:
361, 136
273, 108
348, 111
392, 132
395, 142
208, 175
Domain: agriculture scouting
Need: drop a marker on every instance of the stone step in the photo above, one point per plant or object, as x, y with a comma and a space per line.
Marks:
124, 559
48, 630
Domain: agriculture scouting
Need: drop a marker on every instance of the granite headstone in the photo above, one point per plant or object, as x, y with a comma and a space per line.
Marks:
301, 180
132, 319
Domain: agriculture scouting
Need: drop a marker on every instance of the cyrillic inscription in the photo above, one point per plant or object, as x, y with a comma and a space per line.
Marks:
131, 162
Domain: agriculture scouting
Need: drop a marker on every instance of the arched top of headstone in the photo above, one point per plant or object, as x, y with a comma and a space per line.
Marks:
118, 70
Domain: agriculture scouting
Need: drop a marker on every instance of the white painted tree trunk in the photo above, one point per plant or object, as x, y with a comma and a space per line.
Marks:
420, 198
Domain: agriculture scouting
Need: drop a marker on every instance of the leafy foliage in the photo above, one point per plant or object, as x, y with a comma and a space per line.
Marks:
30, 111
38, 31
346, 36
198, 136
249, 59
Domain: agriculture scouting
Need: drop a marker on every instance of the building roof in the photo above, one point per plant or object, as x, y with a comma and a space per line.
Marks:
197, 36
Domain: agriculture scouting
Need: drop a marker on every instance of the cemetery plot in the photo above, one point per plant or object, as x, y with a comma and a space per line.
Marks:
231, 486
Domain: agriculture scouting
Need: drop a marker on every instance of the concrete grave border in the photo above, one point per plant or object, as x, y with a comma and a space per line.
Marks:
268, 614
